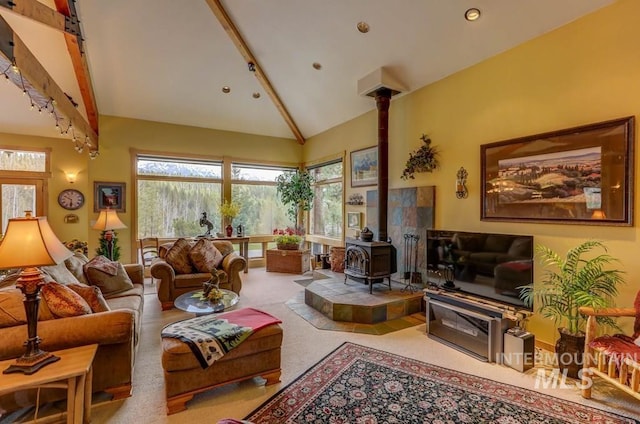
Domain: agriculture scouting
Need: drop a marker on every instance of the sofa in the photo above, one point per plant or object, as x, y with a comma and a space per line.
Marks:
184, 265
114, 323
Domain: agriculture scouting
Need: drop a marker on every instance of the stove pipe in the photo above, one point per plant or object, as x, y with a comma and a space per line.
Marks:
383, 98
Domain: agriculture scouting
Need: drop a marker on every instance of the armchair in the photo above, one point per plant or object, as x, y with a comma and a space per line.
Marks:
172, 282
615, 359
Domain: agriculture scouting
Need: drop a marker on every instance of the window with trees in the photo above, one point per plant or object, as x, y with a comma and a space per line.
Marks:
23, 177
253, 187
325, 219
172, 194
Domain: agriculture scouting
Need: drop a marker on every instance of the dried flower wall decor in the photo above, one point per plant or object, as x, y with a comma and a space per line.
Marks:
423, 159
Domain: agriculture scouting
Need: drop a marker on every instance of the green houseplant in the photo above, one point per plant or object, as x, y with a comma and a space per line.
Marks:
568, 283
296, 193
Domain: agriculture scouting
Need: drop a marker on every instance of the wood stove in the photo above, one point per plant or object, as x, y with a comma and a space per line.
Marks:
369, 261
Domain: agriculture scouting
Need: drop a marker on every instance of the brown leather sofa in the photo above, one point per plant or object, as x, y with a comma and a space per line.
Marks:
115, 331
171, 284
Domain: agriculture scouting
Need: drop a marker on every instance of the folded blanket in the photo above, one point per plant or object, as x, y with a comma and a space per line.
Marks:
211, 336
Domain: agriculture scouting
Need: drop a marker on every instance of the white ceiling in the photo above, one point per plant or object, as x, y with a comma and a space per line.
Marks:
167, 60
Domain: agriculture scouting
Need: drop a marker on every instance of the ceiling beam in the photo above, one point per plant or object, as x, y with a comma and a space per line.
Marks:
34, 79
65, 19
78, 59
232, 31
37, 11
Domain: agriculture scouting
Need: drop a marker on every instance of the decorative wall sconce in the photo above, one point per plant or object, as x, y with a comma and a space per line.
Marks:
461, 183
71, 177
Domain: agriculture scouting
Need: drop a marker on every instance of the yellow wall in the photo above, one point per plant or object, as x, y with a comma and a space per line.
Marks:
585, 72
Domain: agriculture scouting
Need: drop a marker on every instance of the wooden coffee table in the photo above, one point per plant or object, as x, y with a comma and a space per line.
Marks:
195, 302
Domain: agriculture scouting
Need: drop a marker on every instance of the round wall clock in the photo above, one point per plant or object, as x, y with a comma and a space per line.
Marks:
71, 199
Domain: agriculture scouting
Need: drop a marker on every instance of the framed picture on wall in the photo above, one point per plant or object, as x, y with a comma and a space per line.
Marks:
581, 175
354, 220
109, 195
364, 167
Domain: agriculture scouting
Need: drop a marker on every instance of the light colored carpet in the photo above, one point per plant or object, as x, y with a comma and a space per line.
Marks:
303, 346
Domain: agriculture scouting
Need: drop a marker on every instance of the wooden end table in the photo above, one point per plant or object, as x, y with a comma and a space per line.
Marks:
74, 371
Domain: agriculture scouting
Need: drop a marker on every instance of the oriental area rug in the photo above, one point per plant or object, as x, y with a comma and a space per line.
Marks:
358, 384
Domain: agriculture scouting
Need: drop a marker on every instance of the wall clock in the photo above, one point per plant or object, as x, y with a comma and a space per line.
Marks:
71, 199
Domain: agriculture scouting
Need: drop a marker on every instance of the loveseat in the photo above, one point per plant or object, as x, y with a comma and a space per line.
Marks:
184, 265
114, 325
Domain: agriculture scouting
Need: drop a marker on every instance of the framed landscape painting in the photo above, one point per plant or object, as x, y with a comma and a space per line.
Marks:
364, 167
109, 195
581, 175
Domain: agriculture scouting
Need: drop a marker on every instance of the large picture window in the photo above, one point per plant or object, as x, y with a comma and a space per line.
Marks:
253, 187
173, 193
325, 219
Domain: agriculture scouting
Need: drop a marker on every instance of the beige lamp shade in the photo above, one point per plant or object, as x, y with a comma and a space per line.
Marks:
108, 220
30, 242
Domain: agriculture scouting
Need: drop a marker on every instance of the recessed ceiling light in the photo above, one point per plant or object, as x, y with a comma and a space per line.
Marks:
363, 27
226, 89
317, 66
256, 95
472, 14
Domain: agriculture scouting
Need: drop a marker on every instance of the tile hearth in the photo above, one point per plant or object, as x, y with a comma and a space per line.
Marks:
351, 302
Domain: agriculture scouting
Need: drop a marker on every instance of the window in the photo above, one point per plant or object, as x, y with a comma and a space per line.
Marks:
325, 219
174, 192
253, 187
23, 176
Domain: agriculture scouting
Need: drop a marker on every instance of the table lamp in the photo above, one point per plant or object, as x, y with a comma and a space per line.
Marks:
107, 222
28, 243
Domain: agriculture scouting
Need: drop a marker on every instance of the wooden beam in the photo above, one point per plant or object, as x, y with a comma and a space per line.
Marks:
37, 11
233, 32
36, 81
78, 59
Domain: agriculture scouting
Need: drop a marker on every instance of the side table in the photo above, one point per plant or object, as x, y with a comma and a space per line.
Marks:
73, 371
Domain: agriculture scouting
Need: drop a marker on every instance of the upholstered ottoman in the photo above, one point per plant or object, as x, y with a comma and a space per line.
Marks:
258, 355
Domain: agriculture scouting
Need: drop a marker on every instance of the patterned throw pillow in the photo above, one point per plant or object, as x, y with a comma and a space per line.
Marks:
178, 257
92, 295
108, 284
64, 302
204, 256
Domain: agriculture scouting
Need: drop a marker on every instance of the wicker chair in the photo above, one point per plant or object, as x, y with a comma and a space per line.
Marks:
615, 359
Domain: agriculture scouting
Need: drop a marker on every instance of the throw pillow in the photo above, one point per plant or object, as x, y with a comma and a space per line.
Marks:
178, 257
12, 308
92, 295
64, 302
59, 273
75, 265
224, 246
108, 284
204, 256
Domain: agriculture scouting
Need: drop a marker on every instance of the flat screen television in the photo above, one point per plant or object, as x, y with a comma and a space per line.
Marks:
486, 265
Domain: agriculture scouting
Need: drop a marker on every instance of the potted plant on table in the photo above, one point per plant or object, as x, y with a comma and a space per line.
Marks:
571, 282
287, 239
229, 210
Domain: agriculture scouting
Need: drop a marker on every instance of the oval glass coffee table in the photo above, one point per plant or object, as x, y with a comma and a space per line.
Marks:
195, 302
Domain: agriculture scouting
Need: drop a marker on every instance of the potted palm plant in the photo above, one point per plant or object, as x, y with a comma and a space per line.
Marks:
568, 283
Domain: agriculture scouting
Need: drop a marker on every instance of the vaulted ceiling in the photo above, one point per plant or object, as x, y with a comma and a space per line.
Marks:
168, 61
